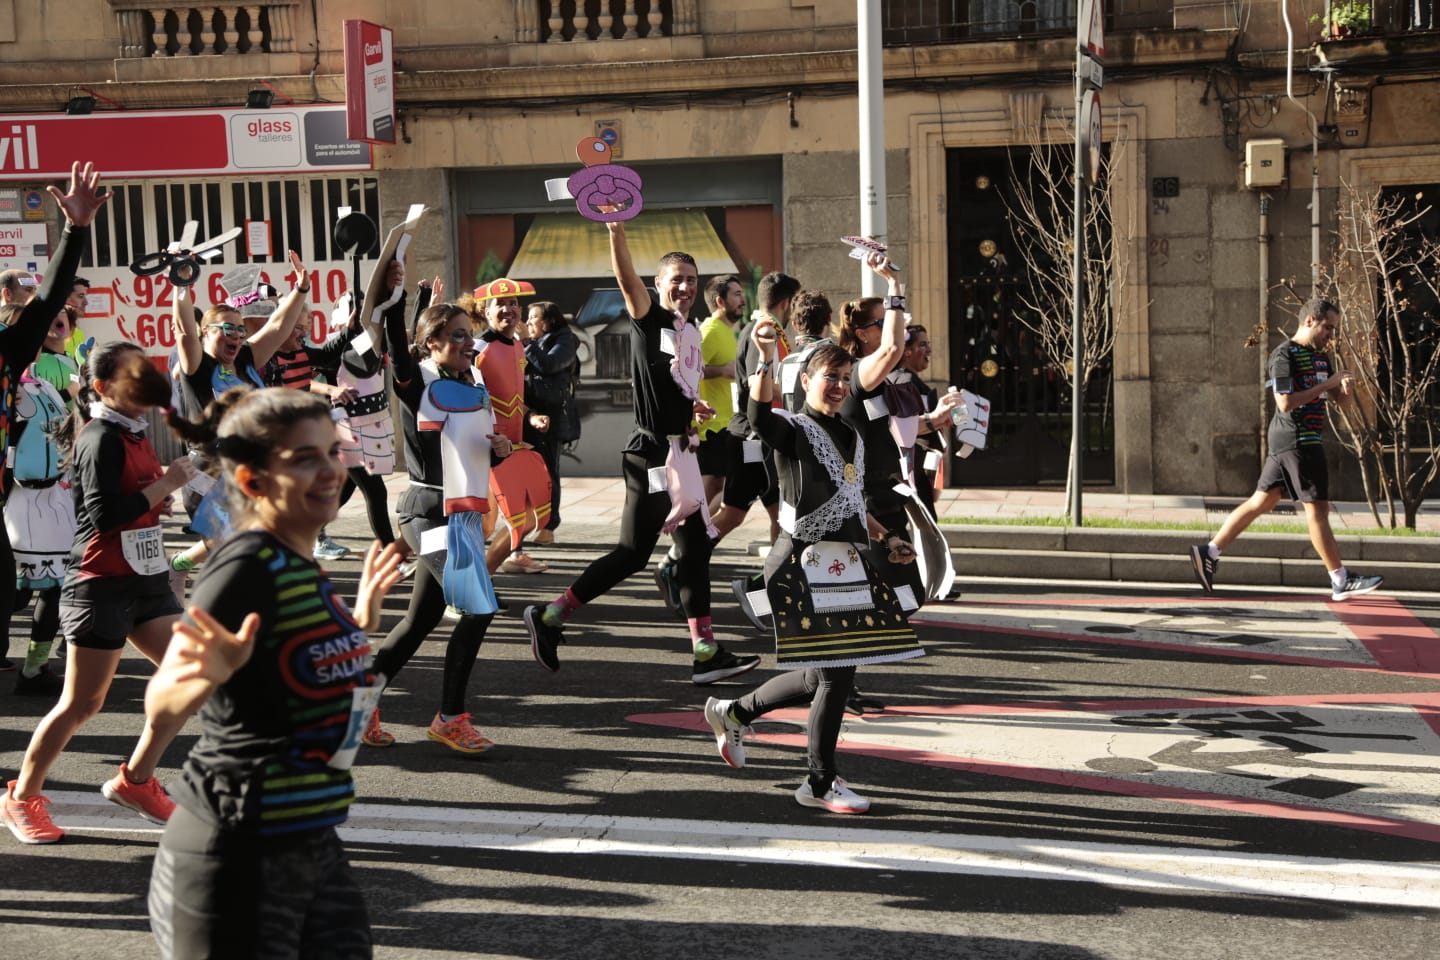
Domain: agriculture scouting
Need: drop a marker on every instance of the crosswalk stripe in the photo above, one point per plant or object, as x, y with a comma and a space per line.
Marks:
852, 847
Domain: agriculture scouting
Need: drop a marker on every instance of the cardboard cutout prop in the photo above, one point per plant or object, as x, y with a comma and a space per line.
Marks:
600, 184
182, 258
682, 470
861, 247
365, 429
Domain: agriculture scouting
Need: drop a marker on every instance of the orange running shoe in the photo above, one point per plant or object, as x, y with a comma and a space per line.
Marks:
148, 799
28, 819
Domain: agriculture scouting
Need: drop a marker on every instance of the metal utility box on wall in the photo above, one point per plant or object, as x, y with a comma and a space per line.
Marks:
1264, 163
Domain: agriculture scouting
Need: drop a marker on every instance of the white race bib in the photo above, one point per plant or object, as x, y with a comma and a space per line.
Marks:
655, 480
667, 341
144, 550
753, 451
432, 540
876, 407
363, 702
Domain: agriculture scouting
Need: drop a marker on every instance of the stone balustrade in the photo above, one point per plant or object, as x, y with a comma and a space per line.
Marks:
551, 21
230, 29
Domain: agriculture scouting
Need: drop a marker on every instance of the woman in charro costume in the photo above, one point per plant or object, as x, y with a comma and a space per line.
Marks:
521, 483
831, 610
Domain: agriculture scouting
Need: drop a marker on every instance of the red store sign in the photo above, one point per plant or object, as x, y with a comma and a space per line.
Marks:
171, 143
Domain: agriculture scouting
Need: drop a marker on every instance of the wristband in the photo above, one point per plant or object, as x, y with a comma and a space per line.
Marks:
762, 367
897, 303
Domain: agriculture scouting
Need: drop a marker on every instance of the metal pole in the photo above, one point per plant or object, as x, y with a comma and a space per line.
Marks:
1077, 301
1263, 327
872, 135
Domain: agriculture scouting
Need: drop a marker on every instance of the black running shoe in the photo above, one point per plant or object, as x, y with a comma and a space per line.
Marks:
721, 666
669, 586
544, 639
1354, 586
43, 684
1205, 566
858, 704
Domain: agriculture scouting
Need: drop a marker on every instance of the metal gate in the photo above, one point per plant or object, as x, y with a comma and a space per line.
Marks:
995, 355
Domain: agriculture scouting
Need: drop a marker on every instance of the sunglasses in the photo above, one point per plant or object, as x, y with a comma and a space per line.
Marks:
867, 325
227, 329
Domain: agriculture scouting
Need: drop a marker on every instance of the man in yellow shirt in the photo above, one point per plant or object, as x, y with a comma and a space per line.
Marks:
719, 337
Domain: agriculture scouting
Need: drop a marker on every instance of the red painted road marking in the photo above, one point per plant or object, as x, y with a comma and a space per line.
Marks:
1397, 640
1427, 705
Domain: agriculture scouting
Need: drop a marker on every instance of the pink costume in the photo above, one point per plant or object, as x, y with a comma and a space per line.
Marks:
682, 469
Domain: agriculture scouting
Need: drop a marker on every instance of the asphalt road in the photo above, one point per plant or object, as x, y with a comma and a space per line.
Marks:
1073, 772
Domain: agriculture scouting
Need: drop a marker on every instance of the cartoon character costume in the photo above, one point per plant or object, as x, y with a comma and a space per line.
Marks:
461, 413
40, 511
521, 482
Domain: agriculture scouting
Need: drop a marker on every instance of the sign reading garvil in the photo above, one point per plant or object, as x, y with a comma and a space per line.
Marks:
170, 143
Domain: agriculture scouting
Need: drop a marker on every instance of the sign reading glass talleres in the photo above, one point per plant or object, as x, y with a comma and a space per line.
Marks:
151, 143
369, 82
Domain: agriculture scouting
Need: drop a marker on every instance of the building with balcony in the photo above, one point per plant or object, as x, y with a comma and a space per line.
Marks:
741, 117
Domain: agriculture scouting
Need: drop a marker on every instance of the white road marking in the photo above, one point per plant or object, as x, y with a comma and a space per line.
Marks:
854, 847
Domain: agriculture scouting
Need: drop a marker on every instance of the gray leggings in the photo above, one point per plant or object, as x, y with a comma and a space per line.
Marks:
217, 893
826, 690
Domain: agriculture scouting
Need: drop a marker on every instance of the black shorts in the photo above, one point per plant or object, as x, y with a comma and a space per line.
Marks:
1302, 474
98, 613
713, 454
747, 482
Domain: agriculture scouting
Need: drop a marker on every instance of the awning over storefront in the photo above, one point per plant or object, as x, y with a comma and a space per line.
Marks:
563, 245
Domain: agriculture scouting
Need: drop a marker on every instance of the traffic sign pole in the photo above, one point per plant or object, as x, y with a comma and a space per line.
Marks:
1089, 77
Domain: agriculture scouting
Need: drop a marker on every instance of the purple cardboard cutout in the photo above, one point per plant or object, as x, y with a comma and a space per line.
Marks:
604, 184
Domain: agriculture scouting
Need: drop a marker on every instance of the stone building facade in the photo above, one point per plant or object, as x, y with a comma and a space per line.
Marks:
746, 109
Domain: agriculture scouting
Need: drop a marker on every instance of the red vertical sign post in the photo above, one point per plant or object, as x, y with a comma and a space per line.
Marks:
369, 82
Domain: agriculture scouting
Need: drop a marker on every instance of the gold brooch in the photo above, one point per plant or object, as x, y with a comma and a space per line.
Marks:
850, 474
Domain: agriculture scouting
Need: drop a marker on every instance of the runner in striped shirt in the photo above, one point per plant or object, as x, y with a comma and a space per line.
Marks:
279, 669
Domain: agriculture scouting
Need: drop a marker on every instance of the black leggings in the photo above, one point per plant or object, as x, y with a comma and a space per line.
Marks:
427, 607
45, 620
826, 690
549, 451
376, 508
640, 525
7, 583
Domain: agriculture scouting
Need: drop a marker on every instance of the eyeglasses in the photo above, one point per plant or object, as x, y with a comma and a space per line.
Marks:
227, 329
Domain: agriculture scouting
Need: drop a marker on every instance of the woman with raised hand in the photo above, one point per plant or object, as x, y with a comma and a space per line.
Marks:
450, 444
831, 609
278, 668
117, 582
24, 328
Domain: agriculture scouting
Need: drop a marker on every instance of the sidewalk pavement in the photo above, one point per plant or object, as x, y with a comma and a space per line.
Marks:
598, 500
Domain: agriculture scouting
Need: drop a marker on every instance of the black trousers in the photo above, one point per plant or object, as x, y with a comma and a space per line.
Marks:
640, 525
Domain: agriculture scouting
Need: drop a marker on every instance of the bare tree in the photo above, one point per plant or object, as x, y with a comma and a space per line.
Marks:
1042, 217
1386, 283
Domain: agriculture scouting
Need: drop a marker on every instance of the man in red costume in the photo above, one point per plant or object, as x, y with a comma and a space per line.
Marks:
520, 483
